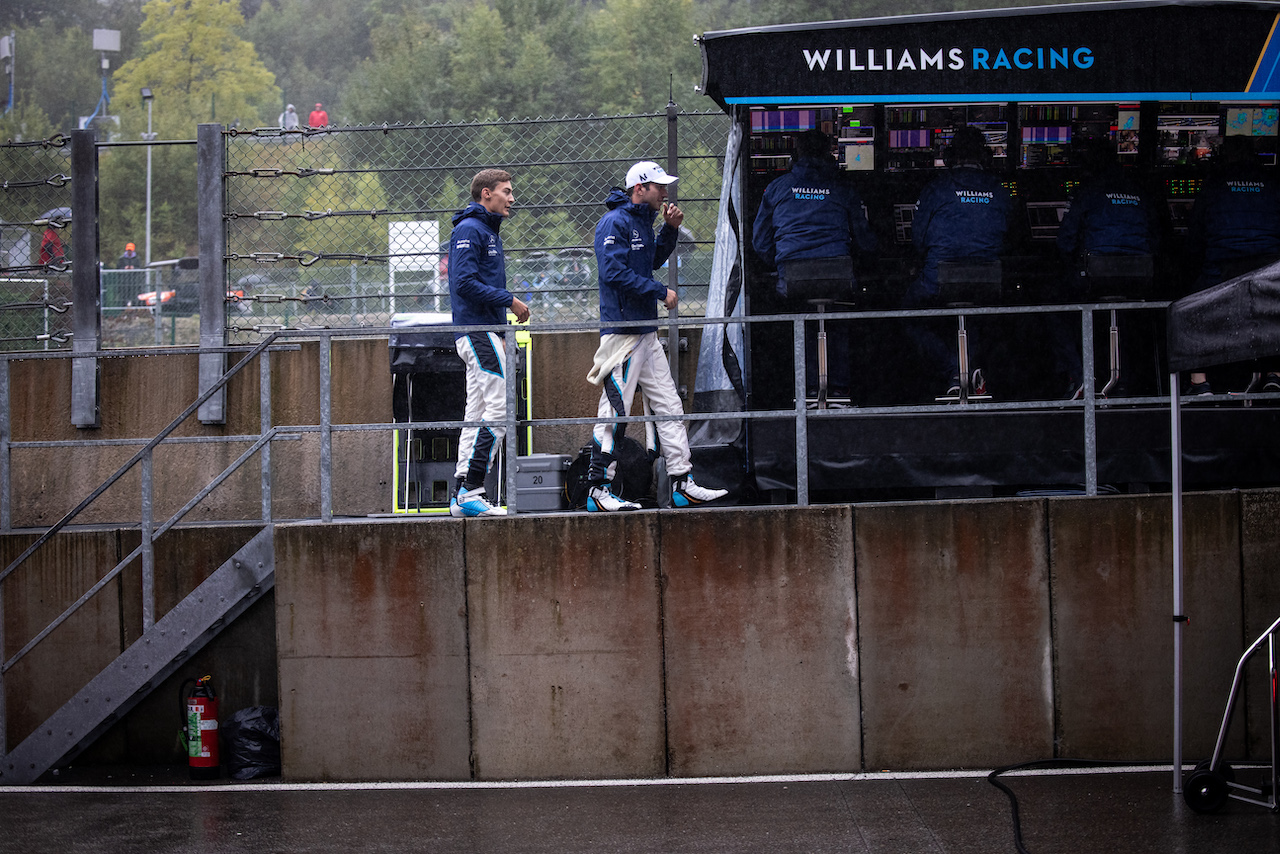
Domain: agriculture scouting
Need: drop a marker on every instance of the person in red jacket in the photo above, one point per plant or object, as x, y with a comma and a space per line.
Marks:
318, 118
51, 249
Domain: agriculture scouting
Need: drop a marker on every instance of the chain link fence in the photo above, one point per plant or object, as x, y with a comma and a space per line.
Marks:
35, 244
347, 227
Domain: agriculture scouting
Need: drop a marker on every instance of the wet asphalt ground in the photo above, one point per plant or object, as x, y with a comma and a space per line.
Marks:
131, 811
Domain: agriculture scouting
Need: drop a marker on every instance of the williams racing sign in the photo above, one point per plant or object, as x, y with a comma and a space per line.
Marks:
1087, 51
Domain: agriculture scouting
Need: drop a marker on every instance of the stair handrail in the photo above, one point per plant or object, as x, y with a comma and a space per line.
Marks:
142, 453
6, 666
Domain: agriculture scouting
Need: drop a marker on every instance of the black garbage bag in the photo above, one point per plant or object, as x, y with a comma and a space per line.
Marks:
251, 743
633, 478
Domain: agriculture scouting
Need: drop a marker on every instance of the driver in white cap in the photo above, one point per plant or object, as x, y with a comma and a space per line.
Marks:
627, 253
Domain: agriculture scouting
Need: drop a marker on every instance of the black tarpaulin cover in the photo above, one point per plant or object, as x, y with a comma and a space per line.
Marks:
1236, 321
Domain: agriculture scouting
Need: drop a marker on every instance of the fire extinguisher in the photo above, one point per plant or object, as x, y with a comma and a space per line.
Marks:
200, 718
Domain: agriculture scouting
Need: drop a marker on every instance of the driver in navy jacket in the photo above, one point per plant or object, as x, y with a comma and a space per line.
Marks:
631, 357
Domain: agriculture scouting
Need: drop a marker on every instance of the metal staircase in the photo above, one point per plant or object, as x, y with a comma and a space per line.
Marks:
155, 656
166, 643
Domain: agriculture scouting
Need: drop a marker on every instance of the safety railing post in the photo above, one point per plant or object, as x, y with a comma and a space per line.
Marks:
512, 439
1090, 404
148, 543
802, 420
264, 427
326, 429
1179, 618
6, 503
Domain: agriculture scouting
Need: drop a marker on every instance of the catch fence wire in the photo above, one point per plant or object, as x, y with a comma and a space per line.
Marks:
347, 226
35, 244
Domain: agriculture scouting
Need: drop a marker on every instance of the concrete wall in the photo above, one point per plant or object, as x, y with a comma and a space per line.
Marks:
371, 632
725, 641
730, 641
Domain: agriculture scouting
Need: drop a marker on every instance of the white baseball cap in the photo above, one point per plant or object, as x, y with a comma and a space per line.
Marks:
648, 172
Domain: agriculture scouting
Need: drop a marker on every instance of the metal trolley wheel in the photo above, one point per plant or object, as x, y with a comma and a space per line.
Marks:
1206, 790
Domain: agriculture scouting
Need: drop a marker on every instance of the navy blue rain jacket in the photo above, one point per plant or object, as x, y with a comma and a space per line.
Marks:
627, 253
962, 213
1109, 216
810, 212
477, 270
1236, 215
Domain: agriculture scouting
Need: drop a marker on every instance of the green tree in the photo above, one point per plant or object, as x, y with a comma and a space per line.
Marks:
25, 123
193, 58
31, 13
197, 69
312, 47
471, 60
405, 80
57, 70
641, 52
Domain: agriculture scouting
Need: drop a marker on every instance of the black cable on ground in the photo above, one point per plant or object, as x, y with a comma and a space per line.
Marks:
992, 778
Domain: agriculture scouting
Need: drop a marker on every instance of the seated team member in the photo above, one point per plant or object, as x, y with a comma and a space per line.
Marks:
813, 211
962, 215
1235, 225
1109, 215
627, 253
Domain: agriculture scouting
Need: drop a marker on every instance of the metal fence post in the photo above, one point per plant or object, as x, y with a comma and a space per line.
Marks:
85, 289
210, 169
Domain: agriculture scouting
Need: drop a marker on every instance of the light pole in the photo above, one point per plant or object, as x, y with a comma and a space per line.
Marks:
147, 98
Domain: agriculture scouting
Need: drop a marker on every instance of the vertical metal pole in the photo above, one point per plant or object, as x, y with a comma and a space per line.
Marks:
1175, 429
86, 292
8, 107
148, 546
802, 419
4, 656
264, 424
1090, 404
150, 140
326, 430
673, 263
5, 521
211, 197
149, 136
512, 443
6, 503
1275, 720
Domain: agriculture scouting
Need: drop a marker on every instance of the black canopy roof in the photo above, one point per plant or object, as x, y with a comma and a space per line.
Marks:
1236, 321
1211, 50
